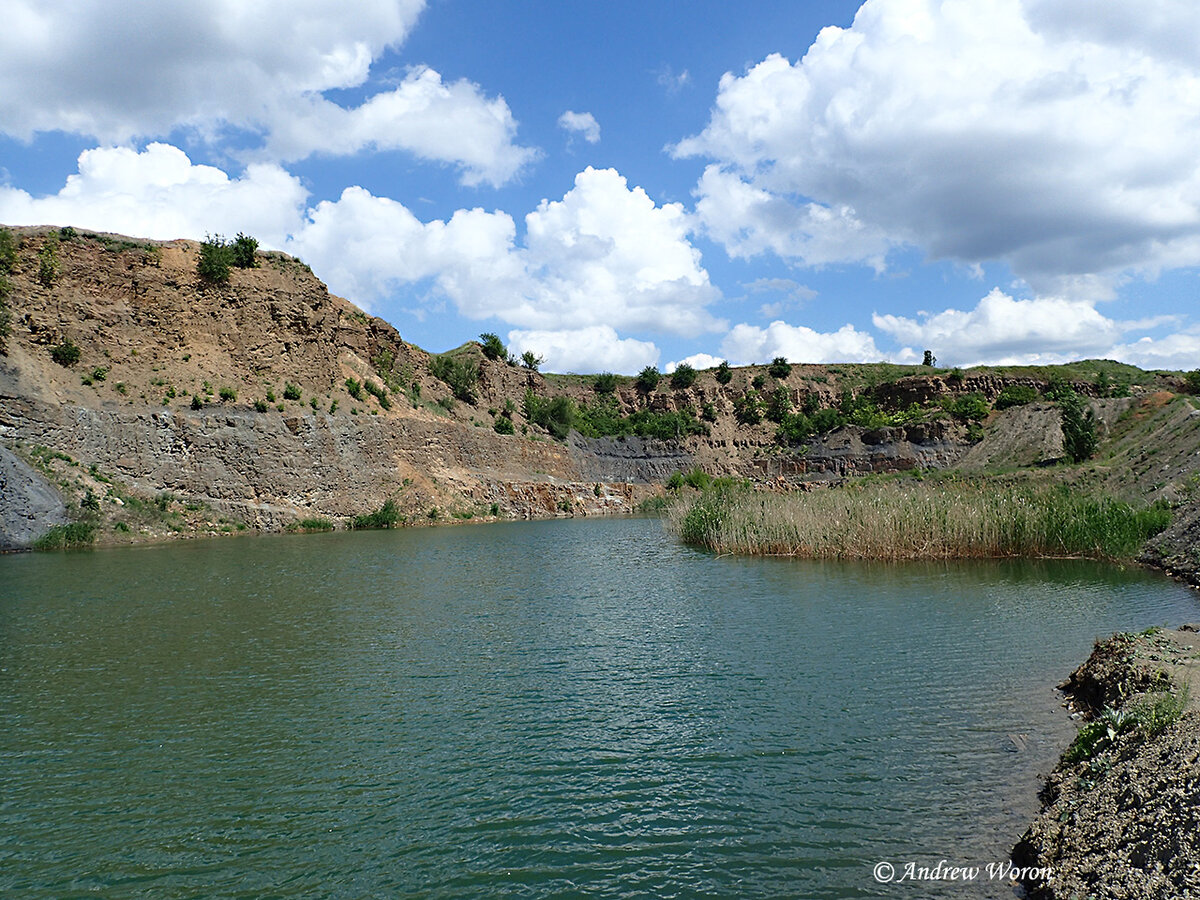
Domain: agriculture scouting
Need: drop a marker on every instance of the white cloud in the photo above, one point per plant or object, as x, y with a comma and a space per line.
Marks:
593, 349
258, 67
976, 130
749, 221
747, 344
602, 255
450, 123
159, 193
89, 69
696, 361
1003, 330
1175, 351
582, 124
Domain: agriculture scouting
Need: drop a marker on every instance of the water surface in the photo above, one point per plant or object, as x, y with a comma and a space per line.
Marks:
577, 708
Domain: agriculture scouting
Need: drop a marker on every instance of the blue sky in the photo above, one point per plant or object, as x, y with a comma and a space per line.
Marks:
619, 184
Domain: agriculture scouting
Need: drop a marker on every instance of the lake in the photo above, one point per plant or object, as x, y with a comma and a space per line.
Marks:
548, 709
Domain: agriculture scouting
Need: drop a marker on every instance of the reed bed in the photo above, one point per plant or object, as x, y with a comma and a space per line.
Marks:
957, 519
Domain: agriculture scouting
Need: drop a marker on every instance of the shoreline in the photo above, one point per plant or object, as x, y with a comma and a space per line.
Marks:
1119, 816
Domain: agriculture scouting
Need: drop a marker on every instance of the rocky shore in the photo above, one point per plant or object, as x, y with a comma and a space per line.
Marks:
1120, 815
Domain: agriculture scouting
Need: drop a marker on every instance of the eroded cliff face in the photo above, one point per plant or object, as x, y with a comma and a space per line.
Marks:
276, 436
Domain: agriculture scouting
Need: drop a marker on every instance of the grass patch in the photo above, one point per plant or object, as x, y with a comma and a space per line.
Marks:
67, 537
952, 519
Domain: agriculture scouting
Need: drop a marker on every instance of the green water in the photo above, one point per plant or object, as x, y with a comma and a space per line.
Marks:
550, 709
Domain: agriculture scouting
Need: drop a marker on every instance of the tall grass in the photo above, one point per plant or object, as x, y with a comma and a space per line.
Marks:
980, 518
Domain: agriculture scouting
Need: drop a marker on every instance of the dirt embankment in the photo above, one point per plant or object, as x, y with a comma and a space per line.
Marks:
1121, 813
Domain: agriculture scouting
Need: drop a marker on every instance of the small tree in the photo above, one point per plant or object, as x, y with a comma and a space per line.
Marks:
648, 379
779, 404
683, 377
1079, 428
48, 264
929, 360
748, 408
8, 252
724, 373
214, 262
1191, 381
779, 368
531, 360
243, 252
605, 383
493, 347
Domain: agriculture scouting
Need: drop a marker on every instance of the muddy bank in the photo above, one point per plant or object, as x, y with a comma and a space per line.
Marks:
1121, 813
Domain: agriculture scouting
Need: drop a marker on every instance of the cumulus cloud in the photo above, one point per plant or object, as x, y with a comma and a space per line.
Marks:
604, 254
159, 193
260, 67
450, 123
1175, 351
746, 344
1001, 330
583, 124
696, 361
596, 348
1028, 132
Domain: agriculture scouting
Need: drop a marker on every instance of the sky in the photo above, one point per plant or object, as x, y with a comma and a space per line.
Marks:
620, 184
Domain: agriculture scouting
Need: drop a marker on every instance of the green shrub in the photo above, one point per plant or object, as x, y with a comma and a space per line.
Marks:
748, 408
354, 388
1016, 395
1191, 381
683, 377
794, 428
8, 252
197, 403
493, 347
48, 262
243, 252
968, 407
65, 354
461, 376
100, 373
759, 381
724, 374
708, 413
291, 391
270, 396
213, 264
648, 379
557, 415
387, 516
605, 383
66, 537
779, 404
779, 368
260, 406
503, 425
228, 393
531, 360
379, 392
1080, 439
